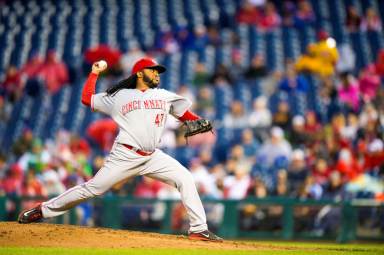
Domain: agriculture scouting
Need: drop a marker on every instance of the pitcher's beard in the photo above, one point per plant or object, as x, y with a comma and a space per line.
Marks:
151, 83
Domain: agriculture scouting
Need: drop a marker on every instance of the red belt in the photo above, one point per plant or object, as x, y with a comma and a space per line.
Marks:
140, 152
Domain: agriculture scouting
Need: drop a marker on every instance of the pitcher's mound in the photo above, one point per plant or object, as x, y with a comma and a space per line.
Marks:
50, 235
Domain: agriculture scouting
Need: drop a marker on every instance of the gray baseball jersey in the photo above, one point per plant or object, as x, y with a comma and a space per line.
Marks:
140, 115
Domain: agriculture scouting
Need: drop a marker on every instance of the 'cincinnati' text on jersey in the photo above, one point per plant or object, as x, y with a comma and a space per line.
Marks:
145, 104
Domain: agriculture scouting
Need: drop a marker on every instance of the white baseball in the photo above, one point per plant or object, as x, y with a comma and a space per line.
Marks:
102, 64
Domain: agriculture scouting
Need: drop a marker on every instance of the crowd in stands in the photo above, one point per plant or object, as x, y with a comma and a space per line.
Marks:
268, 152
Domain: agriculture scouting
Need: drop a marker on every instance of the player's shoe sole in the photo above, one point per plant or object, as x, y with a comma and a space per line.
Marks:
32, 215
205, 236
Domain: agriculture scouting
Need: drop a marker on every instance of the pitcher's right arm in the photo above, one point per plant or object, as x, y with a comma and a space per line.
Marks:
89, 88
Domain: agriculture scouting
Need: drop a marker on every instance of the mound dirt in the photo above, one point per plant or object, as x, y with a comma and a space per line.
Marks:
13, 234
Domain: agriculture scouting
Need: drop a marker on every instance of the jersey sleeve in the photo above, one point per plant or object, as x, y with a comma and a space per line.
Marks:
101, 102
179, 104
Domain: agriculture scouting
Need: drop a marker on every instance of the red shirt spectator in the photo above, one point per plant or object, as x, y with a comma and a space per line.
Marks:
54, 73
33, 67
248, 14
79, 145
380, 63
321, 171
11, 184
347, 165
103, 132
105, 52
13, 83
369, 82
271, 19
32, 186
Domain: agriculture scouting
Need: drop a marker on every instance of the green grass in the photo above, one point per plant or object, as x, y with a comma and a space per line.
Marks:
286, 248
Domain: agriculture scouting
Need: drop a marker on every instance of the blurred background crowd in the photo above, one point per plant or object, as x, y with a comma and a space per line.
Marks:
295, 90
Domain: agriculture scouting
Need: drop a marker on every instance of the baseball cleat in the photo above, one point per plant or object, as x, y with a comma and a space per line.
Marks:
206, 235
32, 215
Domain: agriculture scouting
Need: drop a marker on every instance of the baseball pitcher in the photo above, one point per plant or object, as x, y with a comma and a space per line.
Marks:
140, 109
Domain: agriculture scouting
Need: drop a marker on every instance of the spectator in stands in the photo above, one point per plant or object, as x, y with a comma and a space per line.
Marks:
297, 170
258, 189
260, 118
293, 82
201, 77
282, 184
79, 145
380, 64
31, 186
32, 71
321, 171
33, 66
249, 143
109, 54
312, 125
221, 75
270, 19
248, 13
237, 118
206, 156
304, 15
282, 117
369, 116
321, 57
200, 38
205, 103
241, 160
166, 42
36, 157
205, 182
237, 65
349, 91
371, 21
51, 181
349, 131
184, 38
54, 73
257, 69
353, 19
328, 217
103, 133
11, 184
13, 84
369, 83
236, 186
347, 165
274, 148
347, 59
299, 136
23, 144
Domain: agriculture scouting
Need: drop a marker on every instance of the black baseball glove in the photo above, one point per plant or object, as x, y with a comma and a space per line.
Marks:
194, 127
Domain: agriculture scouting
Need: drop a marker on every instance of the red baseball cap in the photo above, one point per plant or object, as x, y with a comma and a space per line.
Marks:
147, 63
